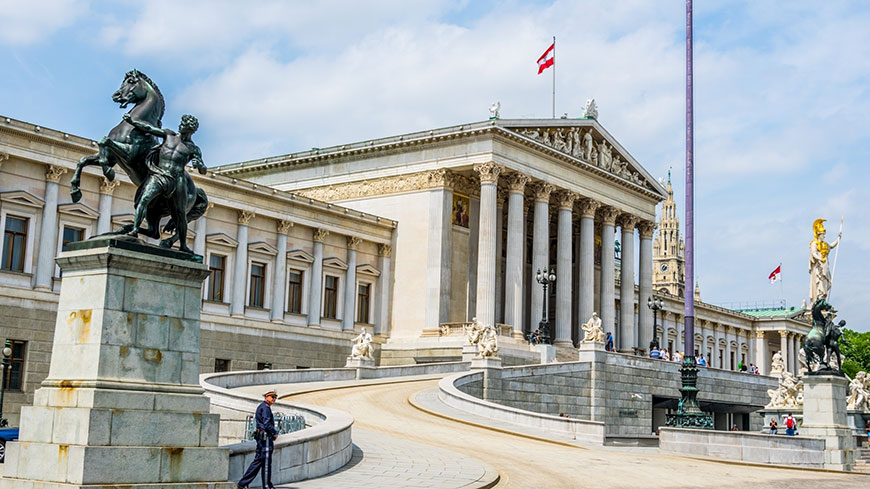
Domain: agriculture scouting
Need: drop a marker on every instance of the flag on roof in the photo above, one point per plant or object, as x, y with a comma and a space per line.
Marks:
547, 59
774, 275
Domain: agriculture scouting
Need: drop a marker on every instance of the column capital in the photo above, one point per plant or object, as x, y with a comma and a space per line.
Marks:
488, 172
320, 235
542, 191
608, 214
759, 334
107, 186
501, 196
284, 226
246, 216
3, 157
353, 242
792, 335
627, 221
517, 182
440, 178
783, 333
385, 250
588, 207
54, 172
566, 199
646, 229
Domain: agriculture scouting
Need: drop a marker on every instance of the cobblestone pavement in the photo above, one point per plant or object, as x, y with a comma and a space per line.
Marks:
523, 463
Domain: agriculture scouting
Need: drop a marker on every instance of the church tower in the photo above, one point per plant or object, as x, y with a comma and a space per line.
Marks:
668, 250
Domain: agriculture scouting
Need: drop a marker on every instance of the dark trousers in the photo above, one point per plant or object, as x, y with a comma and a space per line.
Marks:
262, 463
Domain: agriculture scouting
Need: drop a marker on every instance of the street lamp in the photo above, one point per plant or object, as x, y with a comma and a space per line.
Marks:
545, 279
655, 304
7, 352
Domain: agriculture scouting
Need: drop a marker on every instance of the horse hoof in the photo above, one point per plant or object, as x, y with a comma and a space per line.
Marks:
76, 195
110, 174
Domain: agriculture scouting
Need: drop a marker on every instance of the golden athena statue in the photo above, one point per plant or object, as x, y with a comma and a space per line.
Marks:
820, 272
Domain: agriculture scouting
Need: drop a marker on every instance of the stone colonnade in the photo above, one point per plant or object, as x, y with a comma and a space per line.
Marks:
570, 207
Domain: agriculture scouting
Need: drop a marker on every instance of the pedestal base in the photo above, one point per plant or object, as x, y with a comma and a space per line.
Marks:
359, 363
825, 418
485, 362
468, 352
547, 352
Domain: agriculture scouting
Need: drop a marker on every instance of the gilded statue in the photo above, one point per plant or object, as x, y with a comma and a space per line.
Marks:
820, 272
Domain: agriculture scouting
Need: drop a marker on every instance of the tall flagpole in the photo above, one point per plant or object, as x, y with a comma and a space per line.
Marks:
781, 287
554, 77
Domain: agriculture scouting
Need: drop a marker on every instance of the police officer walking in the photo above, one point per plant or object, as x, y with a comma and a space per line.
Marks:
265, 436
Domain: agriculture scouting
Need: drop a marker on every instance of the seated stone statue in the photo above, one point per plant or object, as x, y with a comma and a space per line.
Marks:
362, 348
592, 330
789, 393
473, 331
488, 344
777, 365
859, 392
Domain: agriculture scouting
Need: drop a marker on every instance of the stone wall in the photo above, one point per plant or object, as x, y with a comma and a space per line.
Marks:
746, 447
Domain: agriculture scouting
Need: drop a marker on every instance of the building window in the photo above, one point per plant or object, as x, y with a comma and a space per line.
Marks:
217, 265
258, 284
362, 303
71, 235
15, 375
294, 291
330, 297
221, 365
14, 244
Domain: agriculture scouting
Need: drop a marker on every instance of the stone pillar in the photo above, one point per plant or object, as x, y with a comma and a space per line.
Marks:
315, 296
240, 270
565, 281
761, 356
825, 418
626, 287
382, 307
129, 410
201, 225
792, 353
608, 274
349, 317
486, 244
280, 273
540, 246
499, 250
783, 348
48, 229
726, 358
440, 244
514, 264
104, 220
586, 304
644, 277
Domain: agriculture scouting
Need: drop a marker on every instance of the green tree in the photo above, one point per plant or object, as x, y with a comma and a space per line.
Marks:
856, 355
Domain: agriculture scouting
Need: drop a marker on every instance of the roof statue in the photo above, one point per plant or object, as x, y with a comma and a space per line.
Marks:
591, 110
154, 159
493, 110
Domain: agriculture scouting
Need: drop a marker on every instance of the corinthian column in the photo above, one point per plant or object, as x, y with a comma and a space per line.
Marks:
761, 353
563, 269
240, 270
644, 275
280, 273
783, 348
586, 304
349, 316
104, 221
48, 230
626, 289
540, 245
486, 242
608, 279
382, 307
314, 296
513, 295
438, 264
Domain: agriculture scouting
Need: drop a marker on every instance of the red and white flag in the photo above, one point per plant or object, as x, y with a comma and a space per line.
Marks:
547, 59
774, 275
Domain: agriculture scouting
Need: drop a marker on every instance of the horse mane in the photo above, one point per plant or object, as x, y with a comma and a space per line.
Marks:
159, 95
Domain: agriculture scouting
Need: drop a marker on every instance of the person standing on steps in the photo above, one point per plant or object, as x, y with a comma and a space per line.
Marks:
265, 436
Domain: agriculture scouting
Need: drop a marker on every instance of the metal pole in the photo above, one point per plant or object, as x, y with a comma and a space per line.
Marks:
3, 421
689, 309
554, 77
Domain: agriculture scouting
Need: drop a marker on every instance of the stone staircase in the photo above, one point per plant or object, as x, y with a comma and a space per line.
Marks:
862, 460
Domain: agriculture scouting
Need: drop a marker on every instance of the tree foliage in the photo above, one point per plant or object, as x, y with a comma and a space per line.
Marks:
856, 354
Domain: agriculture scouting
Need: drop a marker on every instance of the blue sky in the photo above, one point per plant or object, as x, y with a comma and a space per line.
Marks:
781, 97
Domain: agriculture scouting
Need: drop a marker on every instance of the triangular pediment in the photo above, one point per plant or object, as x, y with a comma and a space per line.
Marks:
21, 197
300, 255
335, 262
368, 270
262, 247
78, 209
593, 146
221, 239
123, 219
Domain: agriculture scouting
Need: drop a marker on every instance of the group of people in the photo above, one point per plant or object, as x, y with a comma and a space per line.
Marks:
663, 354
789, 422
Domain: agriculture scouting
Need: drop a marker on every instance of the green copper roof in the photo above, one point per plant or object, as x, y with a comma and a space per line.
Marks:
773, 312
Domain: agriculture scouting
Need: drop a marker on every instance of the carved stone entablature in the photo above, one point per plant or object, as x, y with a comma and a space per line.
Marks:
581, 144
397, 184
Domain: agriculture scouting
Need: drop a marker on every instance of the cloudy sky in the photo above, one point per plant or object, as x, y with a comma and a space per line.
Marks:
781, 97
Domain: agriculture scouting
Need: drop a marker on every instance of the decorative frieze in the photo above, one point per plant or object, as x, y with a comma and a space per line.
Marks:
488, 172
53, 173
284, 227
108, 187
246, 216
320, 235
353, 242
383, 186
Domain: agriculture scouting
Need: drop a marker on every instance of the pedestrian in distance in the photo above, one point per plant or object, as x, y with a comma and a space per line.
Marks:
608, 342
265, 436
773, 426
790, 425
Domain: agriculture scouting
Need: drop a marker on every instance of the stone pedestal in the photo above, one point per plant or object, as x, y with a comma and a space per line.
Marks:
485, 362
825, 418
122, 403
468, 352
547, 352
359, 363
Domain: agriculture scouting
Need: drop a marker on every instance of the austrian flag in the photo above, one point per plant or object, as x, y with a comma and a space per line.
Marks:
774, 275
547, 59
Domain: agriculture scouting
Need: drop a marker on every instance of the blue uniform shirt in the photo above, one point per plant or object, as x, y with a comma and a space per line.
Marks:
265, 421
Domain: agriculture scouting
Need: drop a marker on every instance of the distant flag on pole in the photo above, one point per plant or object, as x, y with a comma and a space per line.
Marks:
547, 59
774, 275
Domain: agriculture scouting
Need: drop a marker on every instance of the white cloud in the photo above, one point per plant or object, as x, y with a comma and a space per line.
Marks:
27, 23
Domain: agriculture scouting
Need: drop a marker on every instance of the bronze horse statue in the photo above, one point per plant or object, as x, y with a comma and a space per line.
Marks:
823, 340
130, 148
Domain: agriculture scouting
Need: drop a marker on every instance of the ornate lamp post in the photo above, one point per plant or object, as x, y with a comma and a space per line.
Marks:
655, 304
7, 352
545, 279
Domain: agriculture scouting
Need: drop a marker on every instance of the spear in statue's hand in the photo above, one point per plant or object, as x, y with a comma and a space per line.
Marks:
836, 254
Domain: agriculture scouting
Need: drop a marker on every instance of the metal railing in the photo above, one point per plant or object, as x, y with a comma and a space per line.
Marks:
284, 423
